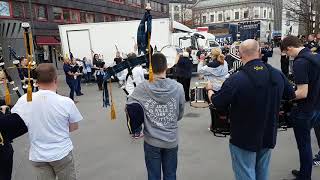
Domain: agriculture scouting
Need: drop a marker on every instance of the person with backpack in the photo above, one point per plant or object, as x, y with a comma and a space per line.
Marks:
253, 97
306, 114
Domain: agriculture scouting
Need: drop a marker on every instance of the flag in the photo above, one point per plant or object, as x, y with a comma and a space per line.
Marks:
143, 39
143, 31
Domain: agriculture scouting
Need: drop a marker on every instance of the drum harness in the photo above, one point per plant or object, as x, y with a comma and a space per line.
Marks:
127, 77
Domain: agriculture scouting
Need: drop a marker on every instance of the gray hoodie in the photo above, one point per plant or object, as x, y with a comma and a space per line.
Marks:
163, 104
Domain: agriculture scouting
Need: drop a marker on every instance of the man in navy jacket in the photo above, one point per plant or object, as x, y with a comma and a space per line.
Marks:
254, 94
306, 71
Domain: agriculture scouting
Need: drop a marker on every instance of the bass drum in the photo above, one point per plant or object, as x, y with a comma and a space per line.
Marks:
172, 54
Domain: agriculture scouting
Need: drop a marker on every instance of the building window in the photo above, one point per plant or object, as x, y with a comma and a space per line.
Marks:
4, 9
220, 17
18, 9
27, 11
90, 18
270, 14
212, 18
41, 12
82, 16
75, 16
256, 13
246, 14
120, 18
136, 3
176, 17
107, 18
155, 6
176, 8
265, 13
204, 19
236, 15
57, 14
117, 1
227, 16
164, 7
66, 15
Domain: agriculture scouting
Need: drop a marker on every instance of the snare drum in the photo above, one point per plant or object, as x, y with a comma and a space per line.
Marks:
220, 122
199, 97
284, 115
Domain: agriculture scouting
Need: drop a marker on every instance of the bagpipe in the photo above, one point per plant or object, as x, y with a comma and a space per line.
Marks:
26, 72
144, 51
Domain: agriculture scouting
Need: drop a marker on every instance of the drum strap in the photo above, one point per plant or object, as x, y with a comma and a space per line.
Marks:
130, 74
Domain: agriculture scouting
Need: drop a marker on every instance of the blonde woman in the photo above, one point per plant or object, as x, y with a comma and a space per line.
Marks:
216, 69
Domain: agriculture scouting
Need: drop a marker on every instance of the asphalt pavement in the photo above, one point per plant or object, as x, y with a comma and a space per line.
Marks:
104, 150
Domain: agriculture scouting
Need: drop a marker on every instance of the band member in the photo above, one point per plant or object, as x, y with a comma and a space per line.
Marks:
184, 73
266, 52
133, 78
159, 105
307, 113
23, 74
254, 95
311, 43
216, 71
87, 69
70, 77
11, 126
118, 58
98, 64
50, 118
77, 69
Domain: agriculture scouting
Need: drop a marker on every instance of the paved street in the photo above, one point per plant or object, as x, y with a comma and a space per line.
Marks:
104, 150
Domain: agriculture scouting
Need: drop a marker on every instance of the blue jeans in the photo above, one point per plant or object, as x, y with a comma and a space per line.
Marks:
72, 84
78, 86
248, 165
155, 158
88, 77
303, 122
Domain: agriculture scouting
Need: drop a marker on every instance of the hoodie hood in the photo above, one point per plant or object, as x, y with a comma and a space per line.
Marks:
219, 71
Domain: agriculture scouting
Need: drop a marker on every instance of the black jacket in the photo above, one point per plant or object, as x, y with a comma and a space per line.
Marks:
254, 94
184, 67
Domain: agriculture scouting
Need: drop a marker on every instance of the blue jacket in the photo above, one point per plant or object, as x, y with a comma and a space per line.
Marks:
254, 94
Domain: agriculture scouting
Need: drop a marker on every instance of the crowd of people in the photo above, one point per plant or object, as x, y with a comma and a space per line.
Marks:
252, 96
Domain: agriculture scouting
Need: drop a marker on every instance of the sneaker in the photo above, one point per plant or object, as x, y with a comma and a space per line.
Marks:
316, 161
296, 173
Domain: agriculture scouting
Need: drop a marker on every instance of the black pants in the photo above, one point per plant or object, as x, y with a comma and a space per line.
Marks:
6, 162
100, 81
186, 86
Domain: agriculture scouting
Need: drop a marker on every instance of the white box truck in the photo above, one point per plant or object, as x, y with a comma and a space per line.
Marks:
105, 38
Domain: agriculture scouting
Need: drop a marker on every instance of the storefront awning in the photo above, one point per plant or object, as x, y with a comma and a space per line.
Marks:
47, 40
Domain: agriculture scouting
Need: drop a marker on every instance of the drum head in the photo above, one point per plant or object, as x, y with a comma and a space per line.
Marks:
171, 54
